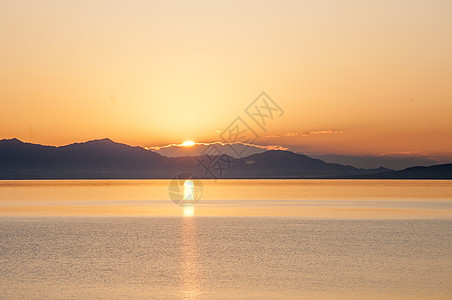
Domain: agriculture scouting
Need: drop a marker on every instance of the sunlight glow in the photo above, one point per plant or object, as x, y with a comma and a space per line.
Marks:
189, 192
188, 198
189, 211
188, 143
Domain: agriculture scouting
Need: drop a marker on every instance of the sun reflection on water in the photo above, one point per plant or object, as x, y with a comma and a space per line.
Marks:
189, 211
190, 259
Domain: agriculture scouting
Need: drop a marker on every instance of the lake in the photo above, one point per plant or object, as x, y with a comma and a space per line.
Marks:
322, 239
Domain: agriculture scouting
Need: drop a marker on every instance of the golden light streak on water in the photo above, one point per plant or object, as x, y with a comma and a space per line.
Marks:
190, 259
189, 211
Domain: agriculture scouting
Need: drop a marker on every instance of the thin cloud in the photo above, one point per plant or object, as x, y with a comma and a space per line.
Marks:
404, 153
409, 153
303, 133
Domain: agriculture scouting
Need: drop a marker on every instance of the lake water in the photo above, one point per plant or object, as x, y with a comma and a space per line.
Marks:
303, 239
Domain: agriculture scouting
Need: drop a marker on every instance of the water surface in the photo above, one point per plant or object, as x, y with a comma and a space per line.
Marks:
291, 239
305, 198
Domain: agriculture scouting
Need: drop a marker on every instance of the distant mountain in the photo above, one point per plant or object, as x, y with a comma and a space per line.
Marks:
176, 150
395, 161
286, 164
94, 159
443, 171
105, 159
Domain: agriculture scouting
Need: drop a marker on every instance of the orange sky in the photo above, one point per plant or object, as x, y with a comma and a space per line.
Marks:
377, 74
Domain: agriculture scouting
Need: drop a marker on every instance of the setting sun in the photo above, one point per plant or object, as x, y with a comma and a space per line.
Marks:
188, 143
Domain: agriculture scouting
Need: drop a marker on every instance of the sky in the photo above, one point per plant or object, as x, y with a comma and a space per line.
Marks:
351, 77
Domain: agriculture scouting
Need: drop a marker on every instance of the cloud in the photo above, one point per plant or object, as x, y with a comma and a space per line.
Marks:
403, 153
303, 133
410, 154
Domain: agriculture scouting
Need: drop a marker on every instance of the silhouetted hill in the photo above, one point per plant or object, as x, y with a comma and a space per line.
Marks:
443, 171
286, 164
93, 159
105, 159
394, 161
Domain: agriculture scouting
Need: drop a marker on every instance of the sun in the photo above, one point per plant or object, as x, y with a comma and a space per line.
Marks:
188, 143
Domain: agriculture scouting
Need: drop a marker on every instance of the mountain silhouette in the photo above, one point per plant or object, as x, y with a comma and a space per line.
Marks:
286, 164
442, 171
94, 159
106, 159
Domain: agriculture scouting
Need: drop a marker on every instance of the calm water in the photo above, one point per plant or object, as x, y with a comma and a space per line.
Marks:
315, 239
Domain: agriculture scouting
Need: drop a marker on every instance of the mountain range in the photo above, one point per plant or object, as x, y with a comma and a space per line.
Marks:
105, 159
394, 160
